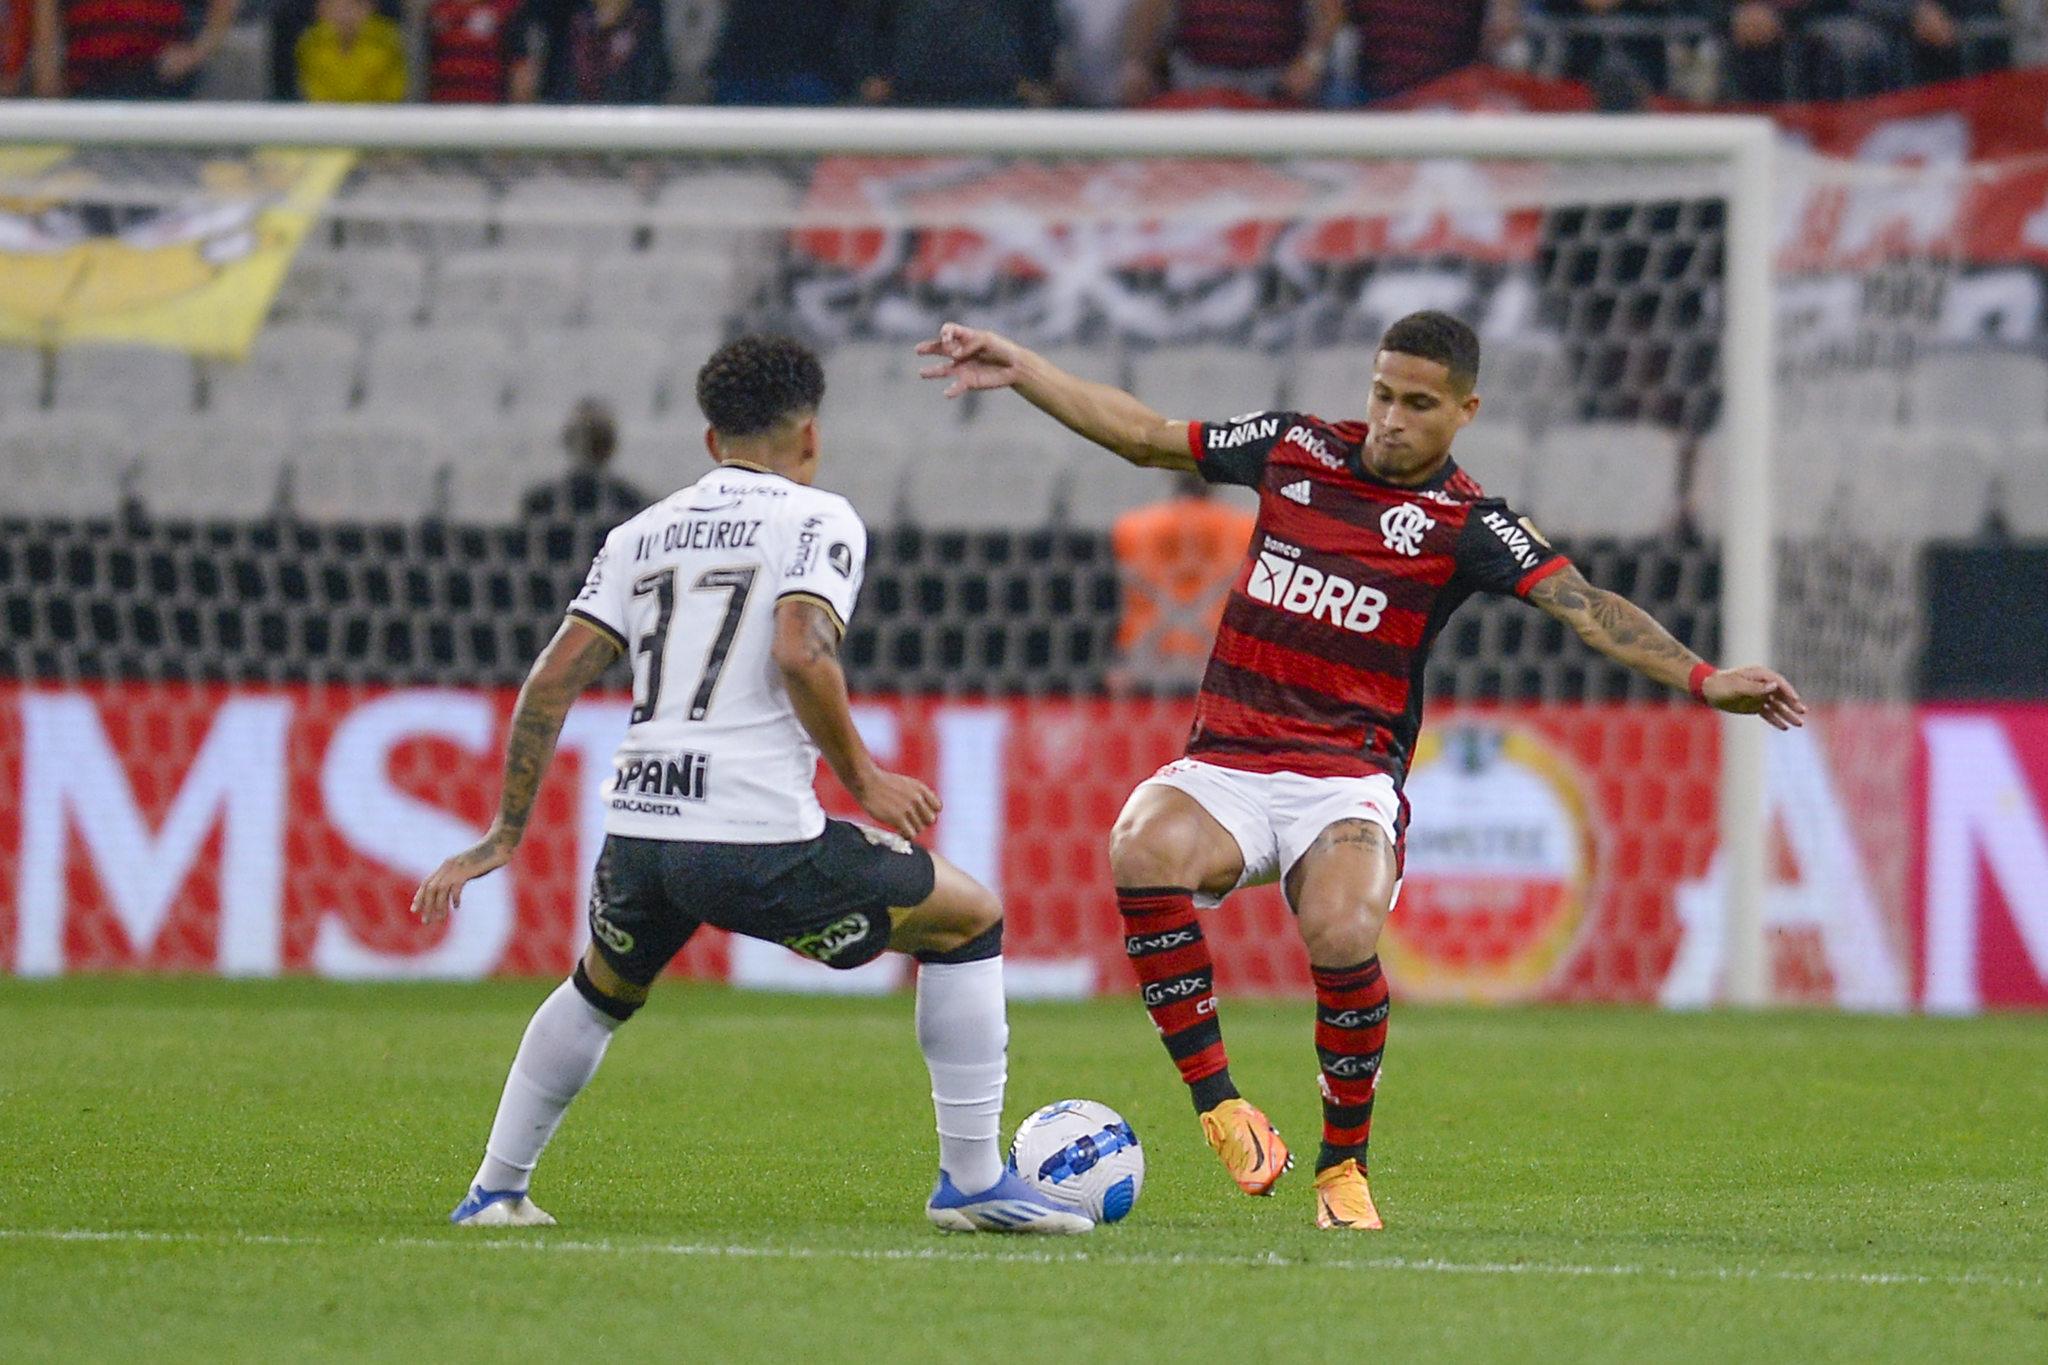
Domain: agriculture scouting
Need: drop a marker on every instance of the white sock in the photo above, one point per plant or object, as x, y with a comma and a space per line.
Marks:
556, 1059
965, 1037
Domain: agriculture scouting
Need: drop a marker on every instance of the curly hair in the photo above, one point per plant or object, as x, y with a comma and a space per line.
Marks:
1448, 341
755, 383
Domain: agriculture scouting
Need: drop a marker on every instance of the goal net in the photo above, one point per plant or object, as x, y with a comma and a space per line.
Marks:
288, 431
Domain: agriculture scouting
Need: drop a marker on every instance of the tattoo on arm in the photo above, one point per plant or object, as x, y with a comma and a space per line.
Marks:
573, 660
1615, 626
820, 634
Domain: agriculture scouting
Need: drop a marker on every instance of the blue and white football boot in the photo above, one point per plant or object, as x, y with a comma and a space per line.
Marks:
1009, 1205
482, 1208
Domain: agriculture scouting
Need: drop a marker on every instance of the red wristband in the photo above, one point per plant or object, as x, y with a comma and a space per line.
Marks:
1697, 683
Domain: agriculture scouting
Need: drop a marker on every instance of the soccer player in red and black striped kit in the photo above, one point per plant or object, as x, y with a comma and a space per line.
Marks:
1369, 537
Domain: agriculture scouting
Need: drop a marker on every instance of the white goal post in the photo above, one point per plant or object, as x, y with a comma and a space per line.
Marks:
1744, 148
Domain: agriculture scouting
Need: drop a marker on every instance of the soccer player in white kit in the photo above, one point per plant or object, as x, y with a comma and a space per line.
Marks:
730, 598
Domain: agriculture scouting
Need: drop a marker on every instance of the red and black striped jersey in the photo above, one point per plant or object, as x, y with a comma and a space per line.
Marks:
1317, 667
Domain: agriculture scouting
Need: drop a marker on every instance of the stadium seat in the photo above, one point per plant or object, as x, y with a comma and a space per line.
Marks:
65, 464
714, 210
657, 457
1096, 487
662, 291
140, 380
1105, 364
379, 470
1903, 485
551, 212
1605, 479
407, 203
1502, 456
1206, 383
1331, 382
981, 487
1978, 401
2022, 484
490, 474
21, 379
215, 467
875, 384
875, 479
294, 369
557, 366
453, 373
375, 285
506, 289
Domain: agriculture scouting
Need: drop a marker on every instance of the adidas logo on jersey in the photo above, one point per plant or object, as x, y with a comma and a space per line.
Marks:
1297, 492
1304, 590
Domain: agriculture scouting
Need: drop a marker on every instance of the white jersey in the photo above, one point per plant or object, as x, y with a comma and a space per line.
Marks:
688, 589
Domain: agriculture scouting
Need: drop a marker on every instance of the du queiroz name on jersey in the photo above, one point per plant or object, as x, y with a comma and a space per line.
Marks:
688, 589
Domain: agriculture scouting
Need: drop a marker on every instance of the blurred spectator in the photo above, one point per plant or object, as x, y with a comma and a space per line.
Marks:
1176, 561
1839, 49
575, 510
1091, 51
779, 52
125, 49
289, 20
986, 53
351, 55
469, 50
1615, 47
1268, 49
19, 18
1406, 43
592, 52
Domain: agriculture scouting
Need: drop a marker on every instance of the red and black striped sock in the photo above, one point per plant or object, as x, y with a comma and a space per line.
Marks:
1177, 978
1351, 1036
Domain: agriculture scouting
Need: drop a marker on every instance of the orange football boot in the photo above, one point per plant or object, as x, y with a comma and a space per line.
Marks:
1252, 1150
1343, 1199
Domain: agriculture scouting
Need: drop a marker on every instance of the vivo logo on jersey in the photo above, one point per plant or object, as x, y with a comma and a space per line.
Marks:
1307, 591
1314, 445
1518, 541
677, 777
1243, 433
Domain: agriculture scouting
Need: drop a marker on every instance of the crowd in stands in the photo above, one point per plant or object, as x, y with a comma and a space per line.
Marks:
991, 53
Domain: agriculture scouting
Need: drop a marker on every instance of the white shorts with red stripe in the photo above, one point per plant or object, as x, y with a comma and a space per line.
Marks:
1276, 816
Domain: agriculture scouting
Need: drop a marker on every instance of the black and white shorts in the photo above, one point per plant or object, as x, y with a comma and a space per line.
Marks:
827, 898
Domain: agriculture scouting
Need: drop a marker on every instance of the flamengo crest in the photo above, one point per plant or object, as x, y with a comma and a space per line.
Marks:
1403, 526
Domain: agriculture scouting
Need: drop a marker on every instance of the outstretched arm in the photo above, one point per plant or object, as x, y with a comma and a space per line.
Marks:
1627, 634
577, 656
1108, 416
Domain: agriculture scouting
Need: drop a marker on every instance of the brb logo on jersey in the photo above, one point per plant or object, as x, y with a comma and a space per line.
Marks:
1404, 526
1278, 581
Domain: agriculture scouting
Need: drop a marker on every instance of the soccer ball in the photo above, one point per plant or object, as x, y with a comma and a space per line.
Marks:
1082, 1154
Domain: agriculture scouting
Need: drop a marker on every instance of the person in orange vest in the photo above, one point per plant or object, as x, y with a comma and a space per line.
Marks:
1176, 560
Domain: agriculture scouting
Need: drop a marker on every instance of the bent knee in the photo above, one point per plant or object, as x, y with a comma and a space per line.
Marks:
1338, 935
1148, 850
975, 913
964, 944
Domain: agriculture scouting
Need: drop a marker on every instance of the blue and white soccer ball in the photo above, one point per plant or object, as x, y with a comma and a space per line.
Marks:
1082, 1154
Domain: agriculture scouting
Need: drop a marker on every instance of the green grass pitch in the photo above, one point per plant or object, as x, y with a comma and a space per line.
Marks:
203, 1170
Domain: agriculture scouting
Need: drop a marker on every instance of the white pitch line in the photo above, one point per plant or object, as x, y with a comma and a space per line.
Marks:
953, 1253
